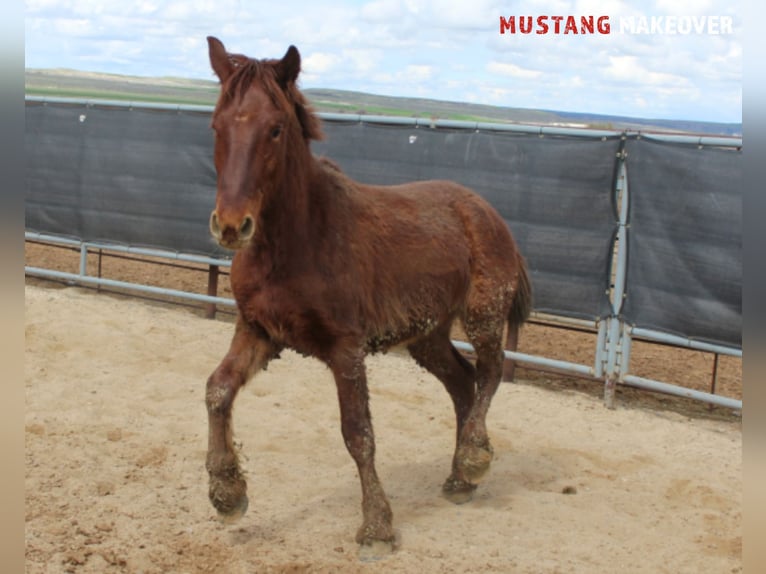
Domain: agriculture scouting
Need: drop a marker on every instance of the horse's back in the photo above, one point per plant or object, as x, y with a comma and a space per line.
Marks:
436, 206
426, 245
452, 219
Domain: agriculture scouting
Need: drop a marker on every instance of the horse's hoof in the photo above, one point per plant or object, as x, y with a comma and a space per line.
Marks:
237, 512
474, 462
375, 550
227, 492
458, 491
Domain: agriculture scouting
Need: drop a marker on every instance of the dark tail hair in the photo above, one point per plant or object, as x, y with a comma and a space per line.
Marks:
522, 300
518, 314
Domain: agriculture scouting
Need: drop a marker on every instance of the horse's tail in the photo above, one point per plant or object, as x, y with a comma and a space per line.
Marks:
521, 308
522, 299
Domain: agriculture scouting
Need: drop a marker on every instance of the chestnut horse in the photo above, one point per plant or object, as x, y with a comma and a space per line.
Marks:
336, 270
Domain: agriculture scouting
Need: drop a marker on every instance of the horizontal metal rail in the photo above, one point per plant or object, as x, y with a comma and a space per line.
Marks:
144, 251
678, 341
106, 103
523, 359
668, 389
535, 361
103, 282
541, 130
714, 141
466, 125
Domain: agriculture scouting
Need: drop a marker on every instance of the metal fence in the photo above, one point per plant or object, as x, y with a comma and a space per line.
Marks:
633, 235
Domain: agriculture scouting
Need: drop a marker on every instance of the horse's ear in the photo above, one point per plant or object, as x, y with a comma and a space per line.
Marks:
289, 67
219, 59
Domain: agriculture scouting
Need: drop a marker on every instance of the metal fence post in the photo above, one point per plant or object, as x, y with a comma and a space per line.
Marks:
615, 329
212, 290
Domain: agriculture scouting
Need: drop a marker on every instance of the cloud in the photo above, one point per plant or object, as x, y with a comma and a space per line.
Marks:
364, 61
512, 70
411, 79
33, 6
466, 16
383, 11
599, 7
684, 7
319, 63
437, 48
417, 73
74, 26
629, 69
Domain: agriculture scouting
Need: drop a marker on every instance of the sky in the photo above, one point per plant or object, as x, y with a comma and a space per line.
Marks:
670, 59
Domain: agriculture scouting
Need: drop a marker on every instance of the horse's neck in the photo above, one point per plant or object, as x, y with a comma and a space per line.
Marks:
289, 225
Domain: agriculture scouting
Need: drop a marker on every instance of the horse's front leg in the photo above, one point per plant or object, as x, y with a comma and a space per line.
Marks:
250, 351
356, 425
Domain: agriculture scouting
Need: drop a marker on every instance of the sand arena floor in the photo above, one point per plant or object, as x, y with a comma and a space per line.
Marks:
116, 438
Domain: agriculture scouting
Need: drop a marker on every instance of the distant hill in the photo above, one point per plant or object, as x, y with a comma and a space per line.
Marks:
90, 85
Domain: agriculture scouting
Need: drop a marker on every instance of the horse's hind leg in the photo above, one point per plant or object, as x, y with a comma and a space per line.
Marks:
249, 352
376, 535
474, 451
437, 354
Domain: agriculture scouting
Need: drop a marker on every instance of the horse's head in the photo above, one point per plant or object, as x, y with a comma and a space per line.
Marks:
259, 121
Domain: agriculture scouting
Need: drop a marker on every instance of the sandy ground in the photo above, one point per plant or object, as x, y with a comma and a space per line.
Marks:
115, 479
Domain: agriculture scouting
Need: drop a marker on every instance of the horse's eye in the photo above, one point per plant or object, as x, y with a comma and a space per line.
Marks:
276, 131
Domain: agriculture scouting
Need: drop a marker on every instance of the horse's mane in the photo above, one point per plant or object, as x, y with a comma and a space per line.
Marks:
265, 72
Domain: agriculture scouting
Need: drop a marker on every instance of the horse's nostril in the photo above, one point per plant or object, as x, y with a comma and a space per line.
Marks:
231, 236
247, 228
215, 229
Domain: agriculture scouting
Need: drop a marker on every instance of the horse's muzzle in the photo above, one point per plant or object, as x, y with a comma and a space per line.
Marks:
232, 236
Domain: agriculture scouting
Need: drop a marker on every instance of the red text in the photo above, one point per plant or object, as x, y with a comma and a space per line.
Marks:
555, 25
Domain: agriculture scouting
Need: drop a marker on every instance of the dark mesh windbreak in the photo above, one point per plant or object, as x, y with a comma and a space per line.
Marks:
145, 177
132, 176
685, 240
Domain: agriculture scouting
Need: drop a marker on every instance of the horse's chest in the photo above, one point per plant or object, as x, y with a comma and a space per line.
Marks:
288, 315
267, 306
